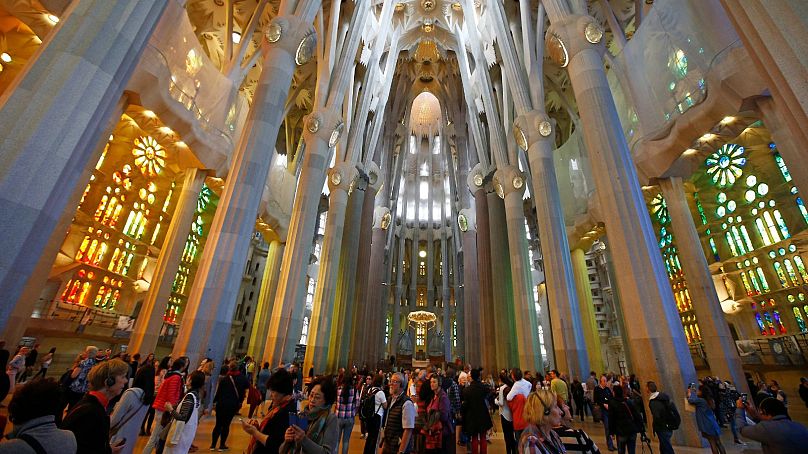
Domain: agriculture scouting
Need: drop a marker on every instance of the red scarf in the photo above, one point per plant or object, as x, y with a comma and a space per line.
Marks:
271, 414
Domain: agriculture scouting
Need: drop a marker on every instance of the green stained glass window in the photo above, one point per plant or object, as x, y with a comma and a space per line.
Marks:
791, 273
731, 205
747, 241
751, 180
731, 244
802, 208
762, 277
725, 166
660, 209
782, 166
763, 232
714, 249
720, 212
772, 227
798, 318
748, 287
722, 197
701, 209
754, 281
763, 189
749, 196
792, 248
801, 268
781, 224
739, 243
781, 274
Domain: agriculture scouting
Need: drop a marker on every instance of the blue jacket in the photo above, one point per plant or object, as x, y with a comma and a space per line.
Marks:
705, 418
778, 435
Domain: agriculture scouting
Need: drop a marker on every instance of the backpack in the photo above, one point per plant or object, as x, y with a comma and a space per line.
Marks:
672, 418
367, 406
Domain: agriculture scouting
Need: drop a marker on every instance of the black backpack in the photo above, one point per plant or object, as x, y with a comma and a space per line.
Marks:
674, 419
367, 406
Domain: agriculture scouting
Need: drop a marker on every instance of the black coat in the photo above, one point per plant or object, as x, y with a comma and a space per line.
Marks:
624, 417
231, 393
89, 422
476, 418
275, 428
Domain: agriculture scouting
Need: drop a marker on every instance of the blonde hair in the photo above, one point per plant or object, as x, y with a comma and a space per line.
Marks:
538, 406
105, 370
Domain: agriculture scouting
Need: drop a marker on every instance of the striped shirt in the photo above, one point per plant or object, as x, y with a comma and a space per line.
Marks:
576, 440
347, 406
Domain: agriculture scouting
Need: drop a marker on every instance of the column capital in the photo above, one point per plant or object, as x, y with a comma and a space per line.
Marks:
572, 34
467, 220
532, 127
292, 35
509, 179
478, 177
323, 124
375, 177
381, 218
342, 176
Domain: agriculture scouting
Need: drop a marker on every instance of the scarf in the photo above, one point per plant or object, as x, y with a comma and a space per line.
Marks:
317, 417
273, 410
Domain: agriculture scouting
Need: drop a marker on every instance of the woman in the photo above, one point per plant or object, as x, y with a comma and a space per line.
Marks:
575, 440
186, 416
46, 362
148, 361
208, 389
267, 436
229, 396
33, 410
624, 421
476, 419
322, 435
15, 366
705, 419
439, 430
261, 383
347, 405
422, 398
542, 414
159, 375
578, 397
505, 414
131, 409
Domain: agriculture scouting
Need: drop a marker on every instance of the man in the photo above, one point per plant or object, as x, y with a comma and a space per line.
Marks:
804, 390
559, 386
33, 411
79, 385
88, 419
589, 392
775, 431
516, 398
665, 415
30, 362
603, 394
451, 388
400, 420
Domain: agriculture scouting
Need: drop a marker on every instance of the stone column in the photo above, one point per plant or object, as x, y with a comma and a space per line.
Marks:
769, 32
792, 154
471, 290
212, 300
719, 346
570, 348
656, 339
587, 311
286, 321
266, 299
52, 121
150, 320
501, 311
340, 179
377, 295
481, 319
510, 183
342, 327
362, 335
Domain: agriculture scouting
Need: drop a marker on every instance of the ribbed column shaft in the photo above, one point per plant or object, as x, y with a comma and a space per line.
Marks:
266, 299
587, 311
483, 319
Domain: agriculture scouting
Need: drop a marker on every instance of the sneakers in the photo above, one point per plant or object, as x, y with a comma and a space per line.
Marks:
224, 448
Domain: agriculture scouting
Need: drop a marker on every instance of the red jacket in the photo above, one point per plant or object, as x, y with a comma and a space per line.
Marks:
170, 391
517, 406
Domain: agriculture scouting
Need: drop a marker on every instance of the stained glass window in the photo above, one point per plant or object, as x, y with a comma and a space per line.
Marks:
725, 166
759, 321
800, 321
149, 156
801, 268
778, 323
772, 227
781, 224
767, 319
762, 278
790, 271
781, 275
781, 164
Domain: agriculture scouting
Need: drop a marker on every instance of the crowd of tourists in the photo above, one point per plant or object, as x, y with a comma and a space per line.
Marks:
104, 402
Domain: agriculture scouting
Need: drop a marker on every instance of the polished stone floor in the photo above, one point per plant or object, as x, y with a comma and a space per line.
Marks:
238, 440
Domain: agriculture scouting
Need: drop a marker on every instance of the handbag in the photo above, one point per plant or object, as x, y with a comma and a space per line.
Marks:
253, 396
177, 426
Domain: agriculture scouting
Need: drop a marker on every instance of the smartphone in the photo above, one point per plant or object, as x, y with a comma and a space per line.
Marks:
691, 386
744, 398
298, 420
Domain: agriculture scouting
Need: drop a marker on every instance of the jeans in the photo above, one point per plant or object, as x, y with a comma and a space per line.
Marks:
345, 428
604, 416
154, 439
510, 438
372, 441
665, 446
626, 442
